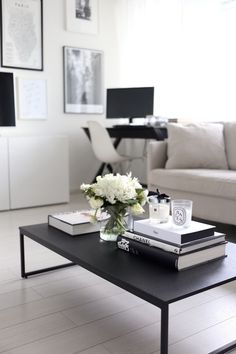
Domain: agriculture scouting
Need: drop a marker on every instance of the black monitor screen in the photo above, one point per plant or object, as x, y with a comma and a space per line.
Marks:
130, 102
7, 102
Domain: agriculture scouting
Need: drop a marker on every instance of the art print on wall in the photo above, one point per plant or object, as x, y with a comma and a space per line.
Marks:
32, 99
83, 83
22, 34
82, 16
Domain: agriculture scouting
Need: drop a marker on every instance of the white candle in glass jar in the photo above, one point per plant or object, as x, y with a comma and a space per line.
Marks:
159, 210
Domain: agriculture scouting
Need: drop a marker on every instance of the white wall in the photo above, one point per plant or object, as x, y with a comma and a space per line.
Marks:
83, 165
185, 48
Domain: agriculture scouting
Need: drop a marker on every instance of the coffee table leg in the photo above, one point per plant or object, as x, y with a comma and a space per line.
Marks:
164, 329
22, 256
25, 274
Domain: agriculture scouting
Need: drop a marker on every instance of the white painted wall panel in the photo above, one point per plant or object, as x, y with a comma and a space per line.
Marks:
39, 171
4, 177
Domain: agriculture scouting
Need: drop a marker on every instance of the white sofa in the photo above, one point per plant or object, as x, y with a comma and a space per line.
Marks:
197, 162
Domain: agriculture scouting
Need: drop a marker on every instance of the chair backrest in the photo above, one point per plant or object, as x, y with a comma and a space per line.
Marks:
102, 143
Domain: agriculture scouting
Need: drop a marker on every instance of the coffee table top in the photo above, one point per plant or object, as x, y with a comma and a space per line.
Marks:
149, 280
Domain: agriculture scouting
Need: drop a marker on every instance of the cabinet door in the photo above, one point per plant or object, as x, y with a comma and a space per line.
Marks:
39, 171
4, 175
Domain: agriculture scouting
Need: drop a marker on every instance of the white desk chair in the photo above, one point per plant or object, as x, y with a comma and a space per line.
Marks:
103, 147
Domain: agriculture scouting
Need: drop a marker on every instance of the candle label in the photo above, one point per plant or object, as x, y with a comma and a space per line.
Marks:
179, 216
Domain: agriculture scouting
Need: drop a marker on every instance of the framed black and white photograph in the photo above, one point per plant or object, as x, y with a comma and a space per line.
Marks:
22, 34
82, 16
83, 80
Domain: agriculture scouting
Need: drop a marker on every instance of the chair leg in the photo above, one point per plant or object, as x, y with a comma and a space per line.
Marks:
109, 167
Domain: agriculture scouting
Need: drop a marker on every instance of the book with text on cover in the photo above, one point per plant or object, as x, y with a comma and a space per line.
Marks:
170, 232
173, 247
76, 222
172, 260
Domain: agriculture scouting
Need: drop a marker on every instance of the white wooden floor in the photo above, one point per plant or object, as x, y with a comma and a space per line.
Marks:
73, 311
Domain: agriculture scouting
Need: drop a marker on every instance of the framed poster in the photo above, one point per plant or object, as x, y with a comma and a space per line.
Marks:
83, 82
32, 98
22, 34
82, 16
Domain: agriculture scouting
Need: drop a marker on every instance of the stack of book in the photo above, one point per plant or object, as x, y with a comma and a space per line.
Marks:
179, 248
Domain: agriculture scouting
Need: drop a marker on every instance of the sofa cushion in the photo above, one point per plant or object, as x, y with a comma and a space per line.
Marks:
220, 183
230, 143
196, 146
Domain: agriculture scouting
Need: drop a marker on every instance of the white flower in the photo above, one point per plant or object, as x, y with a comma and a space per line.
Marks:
136, 209
96, 203
115, 189
84, 186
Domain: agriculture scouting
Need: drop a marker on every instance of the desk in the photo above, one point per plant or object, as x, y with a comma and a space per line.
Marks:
120, 132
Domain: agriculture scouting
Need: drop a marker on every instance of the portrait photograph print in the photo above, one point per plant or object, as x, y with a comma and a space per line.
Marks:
83, 80
22, 34
82, 16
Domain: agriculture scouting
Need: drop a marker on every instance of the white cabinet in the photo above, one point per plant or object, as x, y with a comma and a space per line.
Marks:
38, 171
4, 175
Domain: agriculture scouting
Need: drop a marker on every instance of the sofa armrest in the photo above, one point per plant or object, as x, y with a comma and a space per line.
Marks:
156, 154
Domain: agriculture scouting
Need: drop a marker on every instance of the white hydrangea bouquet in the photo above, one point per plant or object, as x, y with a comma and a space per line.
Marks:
117, 195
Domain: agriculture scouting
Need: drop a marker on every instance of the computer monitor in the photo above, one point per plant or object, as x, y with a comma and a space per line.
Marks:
7, 102
133, 102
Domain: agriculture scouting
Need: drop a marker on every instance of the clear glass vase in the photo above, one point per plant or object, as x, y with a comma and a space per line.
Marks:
116, 224
107, 236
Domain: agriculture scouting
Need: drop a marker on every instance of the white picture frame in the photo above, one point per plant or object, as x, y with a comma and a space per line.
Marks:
82, 16
22, 34
83, 80
32, 99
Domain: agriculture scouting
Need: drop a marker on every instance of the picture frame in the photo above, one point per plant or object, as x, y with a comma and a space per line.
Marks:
83, 80
22, 34
32, 99
82, 16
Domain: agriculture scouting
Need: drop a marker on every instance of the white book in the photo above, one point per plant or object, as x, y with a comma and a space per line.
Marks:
76, 222
172, 233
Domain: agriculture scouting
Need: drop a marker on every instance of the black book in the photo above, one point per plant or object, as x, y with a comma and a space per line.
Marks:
176, 261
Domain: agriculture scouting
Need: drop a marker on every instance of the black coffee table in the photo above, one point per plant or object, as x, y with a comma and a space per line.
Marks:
146, 279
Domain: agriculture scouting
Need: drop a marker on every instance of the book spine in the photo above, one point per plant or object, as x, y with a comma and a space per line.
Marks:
151, 242
140, 249
198, 235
